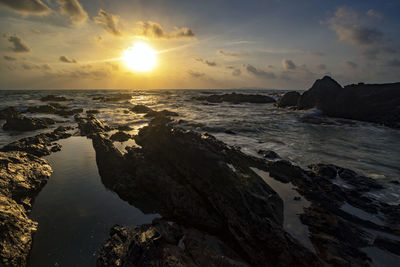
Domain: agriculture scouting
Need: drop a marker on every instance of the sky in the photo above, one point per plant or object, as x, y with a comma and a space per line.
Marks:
273, 44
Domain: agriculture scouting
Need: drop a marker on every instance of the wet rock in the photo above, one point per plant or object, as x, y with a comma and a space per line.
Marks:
378, 103
124, 128
55, 148
230, 132
114, 98
23, 123
165, 244
92, 111
162, 113
90, 125
140, 109
200, 182
297, 198
54, 98
237, 98
120, 137
284, 171
268, 154
289, 99
54, 108
22, 177
9, 112
39, 145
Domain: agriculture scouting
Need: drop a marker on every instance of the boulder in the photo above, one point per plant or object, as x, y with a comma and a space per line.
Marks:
289, 99
237, 98
22, 177
54, 108
9, 112
90, 125
22, 123
140, 109
120, 136
165, 243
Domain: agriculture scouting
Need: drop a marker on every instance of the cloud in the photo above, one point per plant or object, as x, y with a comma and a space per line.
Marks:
9, 58
154, 30
207, 62
66, 60
19, 46
321, 66
351, 64
369, 41
108, 21
393, 63
74, 10
235, 71
227, 53
288, 64
315, 53
195, 74
259, 73
31, 7
30, 66
375, 14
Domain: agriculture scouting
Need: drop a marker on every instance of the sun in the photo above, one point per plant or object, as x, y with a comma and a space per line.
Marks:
140, 57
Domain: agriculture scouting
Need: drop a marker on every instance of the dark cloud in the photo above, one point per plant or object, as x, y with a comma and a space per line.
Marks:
109, 22
74, 10
227, 53
351, 64
207, 62
19, 45
369, 41
154, 30
259, 73
321, 66
9, 58
288, 64
235, 71
393, 63
195, 74
316, 53
31, 7
66, 60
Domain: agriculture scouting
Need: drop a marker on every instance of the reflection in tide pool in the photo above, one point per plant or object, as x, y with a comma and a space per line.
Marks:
75, 211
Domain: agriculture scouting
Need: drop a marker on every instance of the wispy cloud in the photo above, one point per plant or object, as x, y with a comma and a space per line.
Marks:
206, 62
288, 64
259, 73
109, 22
154, 30
19, 46
228, 53
31, 7
74, 10
195, 74
66, 60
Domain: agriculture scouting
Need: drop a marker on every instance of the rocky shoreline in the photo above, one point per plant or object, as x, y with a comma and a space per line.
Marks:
216, 210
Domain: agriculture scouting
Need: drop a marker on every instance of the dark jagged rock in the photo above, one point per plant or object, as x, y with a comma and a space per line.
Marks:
39, 145
269, 154
22, 177
165, 244
124, 128
229, 132
161, 113
90, 125
120, 137
92, 111
9, 112
114, 98
284, 171
290, 99
54, 108
198, 181
22, 123
378, 103
140, 109
237, 98
54, 98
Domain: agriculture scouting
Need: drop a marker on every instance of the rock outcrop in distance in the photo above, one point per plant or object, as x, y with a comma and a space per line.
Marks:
22, 175
236, 98
378, 103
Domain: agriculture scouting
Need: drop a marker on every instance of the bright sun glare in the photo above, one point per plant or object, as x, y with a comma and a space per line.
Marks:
140, 57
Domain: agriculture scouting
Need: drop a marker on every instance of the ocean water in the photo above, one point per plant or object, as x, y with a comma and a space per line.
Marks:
75, 190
